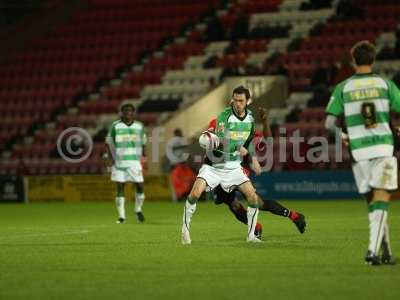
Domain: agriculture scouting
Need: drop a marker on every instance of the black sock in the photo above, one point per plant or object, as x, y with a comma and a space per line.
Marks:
275, 208
239, 212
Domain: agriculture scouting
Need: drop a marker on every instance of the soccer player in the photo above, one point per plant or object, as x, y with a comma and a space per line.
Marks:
235, 129
235, 206
366, 100
126, 141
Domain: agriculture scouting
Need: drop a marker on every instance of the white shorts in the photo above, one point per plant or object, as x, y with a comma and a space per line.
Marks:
378, 173
131, 174
228, 179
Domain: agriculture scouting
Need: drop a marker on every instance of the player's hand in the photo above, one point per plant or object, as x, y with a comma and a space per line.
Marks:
257, 169
263, 113
108, 161
243, 151
345, 139
256, 166
397, 130
143, 162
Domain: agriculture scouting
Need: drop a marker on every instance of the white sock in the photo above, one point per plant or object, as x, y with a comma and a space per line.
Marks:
139, 199
252, 214
188, 212
120, 202
377, 221
386, 239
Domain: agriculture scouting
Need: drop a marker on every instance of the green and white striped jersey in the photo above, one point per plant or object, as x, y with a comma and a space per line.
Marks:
233, 132
366, 101
127, 143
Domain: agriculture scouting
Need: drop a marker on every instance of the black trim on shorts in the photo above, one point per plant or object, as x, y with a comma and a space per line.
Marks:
204, 180
243, 182
379, 188
238, 185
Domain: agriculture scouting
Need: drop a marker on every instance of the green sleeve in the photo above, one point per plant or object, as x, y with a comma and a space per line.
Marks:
144, 137
110, 139
394, 96
249, 140
336, 104
221, 123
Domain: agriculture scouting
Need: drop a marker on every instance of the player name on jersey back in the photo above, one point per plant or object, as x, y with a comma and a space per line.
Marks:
366, 101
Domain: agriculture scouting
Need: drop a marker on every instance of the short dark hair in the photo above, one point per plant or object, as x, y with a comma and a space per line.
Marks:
242, 90
363, 53
127, 105
178, 132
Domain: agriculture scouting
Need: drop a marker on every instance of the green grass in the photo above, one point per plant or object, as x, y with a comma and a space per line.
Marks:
76, 251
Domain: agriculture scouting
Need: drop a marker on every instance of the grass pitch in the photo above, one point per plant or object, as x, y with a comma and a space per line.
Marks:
76, 251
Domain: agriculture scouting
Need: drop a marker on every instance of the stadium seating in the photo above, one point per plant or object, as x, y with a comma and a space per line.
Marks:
158, 56
329, 46
75, 56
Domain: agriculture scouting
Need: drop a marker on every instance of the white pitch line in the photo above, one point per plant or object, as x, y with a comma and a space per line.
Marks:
45, 234
60, 227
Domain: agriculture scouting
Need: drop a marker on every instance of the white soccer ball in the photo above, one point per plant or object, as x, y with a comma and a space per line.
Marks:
208, 140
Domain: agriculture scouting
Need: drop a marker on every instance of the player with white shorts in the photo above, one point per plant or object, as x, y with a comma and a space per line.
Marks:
378, 173
130, 174
366, 101
233, 135
125, 141
228, 179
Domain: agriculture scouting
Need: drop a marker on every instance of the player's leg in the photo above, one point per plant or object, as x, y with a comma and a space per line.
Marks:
238, 178
377, 220
235, 206
252, 211
208, 176
387, 254
238, 210
135, 175
139, 199
276, 208
120, 202
118, 176
361, 172
198, 188
383, 179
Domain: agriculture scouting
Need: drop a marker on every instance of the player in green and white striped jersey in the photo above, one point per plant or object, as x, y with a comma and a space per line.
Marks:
235, 130
366, 100
126, 141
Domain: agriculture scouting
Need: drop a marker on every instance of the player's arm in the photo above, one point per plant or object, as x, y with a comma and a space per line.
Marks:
334, 109
263, 113
143, 159
144, 150
247, 144
108, 156
394, 96
248, 148
212, 125
255, 165
330, 125
144, 142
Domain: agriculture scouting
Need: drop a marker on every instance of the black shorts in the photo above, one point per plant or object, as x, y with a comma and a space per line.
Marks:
221, 196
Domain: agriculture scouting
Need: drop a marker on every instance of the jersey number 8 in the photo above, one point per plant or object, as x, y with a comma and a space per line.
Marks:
368, 111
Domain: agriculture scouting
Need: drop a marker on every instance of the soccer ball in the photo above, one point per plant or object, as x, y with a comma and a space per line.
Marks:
208, 140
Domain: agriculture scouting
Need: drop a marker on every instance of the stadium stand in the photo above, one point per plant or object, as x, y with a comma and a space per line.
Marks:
58, 70
168, 59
